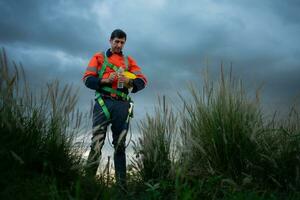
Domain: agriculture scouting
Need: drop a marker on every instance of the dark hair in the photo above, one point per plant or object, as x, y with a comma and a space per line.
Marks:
118, 33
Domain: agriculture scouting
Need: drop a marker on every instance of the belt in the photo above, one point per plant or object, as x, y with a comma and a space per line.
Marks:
119, 96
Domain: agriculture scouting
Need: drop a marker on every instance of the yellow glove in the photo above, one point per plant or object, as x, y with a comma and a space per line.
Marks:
129, 75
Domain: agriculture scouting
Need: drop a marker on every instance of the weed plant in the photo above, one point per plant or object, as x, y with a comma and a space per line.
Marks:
220, 145
227, 147
38, 157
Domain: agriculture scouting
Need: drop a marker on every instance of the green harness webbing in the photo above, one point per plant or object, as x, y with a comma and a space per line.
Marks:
109, 89
113, 91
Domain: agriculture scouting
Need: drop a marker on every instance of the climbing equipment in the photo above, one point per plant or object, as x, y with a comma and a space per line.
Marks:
118, 93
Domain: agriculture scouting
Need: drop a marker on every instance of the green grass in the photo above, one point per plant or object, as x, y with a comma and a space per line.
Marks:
38, 157
217, 144
227, 147
154, 148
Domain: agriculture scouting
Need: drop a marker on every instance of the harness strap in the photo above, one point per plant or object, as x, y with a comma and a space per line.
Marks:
109, 89
104, 107
123, 95
113, 67
126, 63
118, 93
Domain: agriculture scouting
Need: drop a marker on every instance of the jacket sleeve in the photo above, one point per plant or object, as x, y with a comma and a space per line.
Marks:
91, 77
141, 81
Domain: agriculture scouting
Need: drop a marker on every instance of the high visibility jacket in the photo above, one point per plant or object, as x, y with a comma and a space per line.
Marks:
93, 81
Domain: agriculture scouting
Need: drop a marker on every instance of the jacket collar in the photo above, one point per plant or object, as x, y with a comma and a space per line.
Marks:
109, 53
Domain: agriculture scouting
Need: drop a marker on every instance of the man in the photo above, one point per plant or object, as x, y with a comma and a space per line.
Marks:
104, 75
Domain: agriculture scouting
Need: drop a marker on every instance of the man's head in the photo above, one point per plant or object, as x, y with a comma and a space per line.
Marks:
117, 40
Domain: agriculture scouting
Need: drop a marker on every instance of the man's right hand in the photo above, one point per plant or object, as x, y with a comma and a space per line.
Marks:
110, 79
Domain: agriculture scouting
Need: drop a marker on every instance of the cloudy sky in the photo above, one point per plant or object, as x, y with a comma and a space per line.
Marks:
172, 41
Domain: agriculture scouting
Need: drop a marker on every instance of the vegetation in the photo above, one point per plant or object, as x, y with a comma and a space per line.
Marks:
218, 144
39, 159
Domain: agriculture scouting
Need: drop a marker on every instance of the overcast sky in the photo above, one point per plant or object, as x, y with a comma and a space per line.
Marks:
171, 40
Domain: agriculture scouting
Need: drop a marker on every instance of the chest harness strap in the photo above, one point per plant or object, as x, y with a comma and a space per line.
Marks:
109, 89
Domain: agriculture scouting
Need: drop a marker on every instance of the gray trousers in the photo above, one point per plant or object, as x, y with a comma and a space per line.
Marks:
119, 112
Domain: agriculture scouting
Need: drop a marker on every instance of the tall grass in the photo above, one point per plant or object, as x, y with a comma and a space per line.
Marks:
280, 161
154, 148
222, 126
227, 145
220, 145
38, 157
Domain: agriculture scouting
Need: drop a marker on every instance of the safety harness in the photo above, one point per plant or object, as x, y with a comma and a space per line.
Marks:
110, 90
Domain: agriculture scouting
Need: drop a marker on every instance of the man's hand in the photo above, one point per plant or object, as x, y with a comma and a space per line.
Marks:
128, 82
110, 79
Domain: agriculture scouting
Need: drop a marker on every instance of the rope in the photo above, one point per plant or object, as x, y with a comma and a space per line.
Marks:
130, 137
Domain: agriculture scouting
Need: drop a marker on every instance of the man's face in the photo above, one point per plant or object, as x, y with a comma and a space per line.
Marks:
117, 44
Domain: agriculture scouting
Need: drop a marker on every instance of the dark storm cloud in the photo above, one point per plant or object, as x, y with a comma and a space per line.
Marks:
55, 25
173, 41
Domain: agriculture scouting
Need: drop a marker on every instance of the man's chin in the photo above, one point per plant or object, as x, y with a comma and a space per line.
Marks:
116, 51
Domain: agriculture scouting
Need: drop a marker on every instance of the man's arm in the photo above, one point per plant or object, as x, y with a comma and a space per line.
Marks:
91, 77
141, 81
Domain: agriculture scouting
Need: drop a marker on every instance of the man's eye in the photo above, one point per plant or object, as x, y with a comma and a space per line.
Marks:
118, 41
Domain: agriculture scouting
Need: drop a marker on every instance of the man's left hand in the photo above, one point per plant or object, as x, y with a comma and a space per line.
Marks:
128, 82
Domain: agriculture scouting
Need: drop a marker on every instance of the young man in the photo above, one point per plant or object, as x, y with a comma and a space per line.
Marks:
104, 74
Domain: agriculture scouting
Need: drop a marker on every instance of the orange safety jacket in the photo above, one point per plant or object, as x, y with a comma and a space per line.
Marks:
91, 76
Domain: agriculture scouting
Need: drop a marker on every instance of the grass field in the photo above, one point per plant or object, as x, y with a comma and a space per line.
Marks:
218, 144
